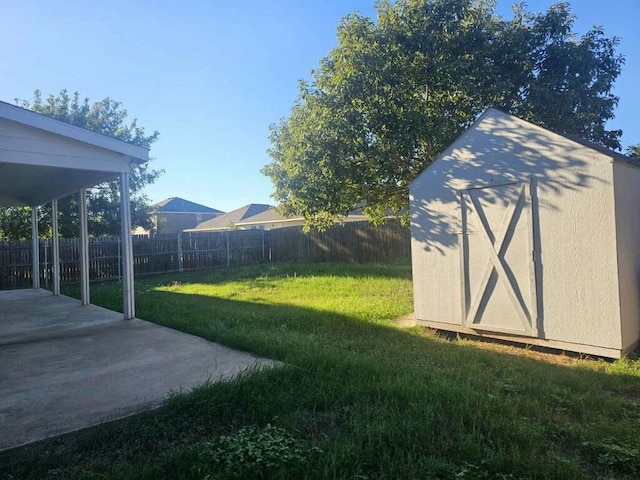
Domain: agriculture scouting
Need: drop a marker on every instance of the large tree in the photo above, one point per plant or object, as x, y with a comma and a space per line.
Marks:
396, 91
107, 117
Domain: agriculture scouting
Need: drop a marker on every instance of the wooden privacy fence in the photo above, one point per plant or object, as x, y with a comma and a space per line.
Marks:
152, 254
155, 254
349, 242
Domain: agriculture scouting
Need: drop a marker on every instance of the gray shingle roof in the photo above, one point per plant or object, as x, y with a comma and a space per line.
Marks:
269, 215
236, 216
180, 205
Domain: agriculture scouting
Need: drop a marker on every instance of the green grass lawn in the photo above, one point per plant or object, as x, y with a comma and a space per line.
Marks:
357, 398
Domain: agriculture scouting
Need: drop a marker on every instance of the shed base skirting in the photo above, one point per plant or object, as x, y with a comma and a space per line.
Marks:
540, 342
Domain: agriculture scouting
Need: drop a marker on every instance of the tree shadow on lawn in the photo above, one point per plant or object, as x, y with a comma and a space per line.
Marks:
377, 401
282, 270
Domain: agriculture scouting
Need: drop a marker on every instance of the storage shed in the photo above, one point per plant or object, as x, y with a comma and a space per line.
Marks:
523, 234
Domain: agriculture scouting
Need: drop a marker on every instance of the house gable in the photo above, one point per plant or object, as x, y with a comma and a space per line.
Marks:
180, 205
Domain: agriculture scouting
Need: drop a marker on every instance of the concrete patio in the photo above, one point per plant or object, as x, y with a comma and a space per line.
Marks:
64, 366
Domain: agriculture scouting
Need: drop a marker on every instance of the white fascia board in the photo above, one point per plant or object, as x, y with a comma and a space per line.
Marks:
41, 122
340, 219
265, 222
160, 212
65, 161
202, 230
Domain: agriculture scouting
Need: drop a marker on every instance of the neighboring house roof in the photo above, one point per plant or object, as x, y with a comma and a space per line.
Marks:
254, 215
180, 205
269, 215
234, 217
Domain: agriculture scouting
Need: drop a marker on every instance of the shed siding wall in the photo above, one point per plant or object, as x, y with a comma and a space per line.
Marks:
627, 196
573, 206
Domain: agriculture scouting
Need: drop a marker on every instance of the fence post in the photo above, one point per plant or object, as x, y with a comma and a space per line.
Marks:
228, 252
263, 244
180, 253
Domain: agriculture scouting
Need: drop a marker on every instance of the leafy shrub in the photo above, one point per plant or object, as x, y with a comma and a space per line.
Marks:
468, 471
251, 452
615, 457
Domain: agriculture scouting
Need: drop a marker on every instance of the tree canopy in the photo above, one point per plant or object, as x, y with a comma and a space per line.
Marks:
634, 151
396, 91
107, 117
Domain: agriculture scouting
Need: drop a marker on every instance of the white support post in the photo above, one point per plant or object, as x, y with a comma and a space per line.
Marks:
84, 249
35, 244
45, 266
180, 254
128, 294
56, 248
119, 259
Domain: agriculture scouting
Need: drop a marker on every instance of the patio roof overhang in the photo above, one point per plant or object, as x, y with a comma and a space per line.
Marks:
43, 159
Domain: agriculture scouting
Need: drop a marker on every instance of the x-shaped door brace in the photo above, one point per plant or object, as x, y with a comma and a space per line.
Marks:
497, 250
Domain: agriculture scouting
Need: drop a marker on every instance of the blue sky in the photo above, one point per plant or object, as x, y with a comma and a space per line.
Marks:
211, 76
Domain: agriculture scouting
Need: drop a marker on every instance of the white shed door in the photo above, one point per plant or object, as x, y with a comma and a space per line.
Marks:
497, 259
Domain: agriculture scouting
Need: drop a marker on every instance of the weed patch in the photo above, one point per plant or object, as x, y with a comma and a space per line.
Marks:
250, 453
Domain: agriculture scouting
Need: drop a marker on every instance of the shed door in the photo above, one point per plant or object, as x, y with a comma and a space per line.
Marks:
497, 259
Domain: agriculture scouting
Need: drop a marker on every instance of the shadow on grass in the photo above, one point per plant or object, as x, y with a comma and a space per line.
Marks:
378, 402
283, 270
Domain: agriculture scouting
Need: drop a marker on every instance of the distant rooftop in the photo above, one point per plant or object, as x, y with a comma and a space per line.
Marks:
180, 205
234, 217
254, 214
269, 215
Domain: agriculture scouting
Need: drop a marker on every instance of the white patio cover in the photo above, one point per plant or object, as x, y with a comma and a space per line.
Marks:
42, 159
